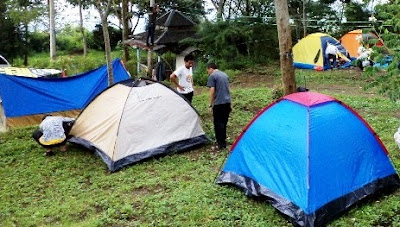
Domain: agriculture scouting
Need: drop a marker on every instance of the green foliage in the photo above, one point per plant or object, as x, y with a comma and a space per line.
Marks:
237, 44
70, 39
357, 11
39, 42
200, 75
73, 64
387, 80
98, 40
277, 92
318, 12
10, 35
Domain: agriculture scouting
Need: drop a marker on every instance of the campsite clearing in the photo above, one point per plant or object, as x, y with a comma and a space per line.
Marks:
75, 188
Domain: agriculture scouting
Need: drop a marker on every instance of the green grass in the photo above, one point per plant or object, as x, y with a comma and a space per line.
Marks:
75, 188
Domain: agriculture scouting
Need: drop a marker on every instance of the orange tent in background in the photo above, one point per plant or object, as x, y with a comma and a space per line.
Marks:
350, 42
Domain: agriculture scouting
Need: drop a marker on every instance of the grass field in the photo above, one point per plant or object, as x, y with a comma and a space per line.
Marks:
75, 188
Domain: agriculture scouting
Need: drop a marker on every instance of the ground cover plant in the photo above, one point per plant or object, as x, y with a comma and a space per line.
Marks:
75, 188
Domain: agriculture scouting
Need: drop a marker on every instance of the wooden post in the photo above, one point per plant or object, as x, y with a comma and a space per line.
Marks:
285, 46
150, 62
138, 61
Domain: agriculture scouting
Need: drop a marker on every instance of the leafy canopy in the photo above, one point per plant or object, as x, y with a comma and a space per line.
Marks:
388, 81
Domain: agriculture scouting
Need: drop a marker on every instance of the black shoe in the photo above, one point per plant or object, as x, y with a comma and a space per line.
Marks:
49, 153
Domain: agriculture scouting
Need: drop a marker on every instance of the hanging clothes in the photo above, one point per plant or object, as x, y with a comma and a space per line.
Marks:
160, 71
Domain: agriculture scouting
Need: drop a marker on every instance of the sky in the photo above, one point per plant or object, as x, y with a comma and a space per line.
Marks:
67, 14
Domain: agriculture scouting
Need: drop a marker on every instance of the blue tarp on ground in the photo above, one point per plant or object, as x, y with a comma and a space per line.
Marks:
27, 96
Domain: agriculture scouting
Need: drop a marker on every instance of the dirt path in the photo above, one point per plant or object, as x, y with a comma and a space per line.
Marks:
269, 77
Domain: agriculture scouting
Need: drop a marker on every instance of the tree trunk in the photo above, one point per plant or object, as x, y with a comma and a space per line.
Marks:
304, 19
285, 46
150, 51
107, 47
52, 31
26, 44
298, 23
82, 29
103, 12
247, 8
229, 11
220, 9
125, 29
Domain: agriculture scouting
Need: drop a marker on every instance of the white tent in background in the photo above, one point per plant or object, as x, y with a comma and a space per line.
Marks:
135, 120
397, 137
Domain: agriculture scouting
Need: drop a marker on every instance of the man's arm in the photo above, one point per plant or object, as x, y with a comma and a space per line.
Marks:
212, 94
174, 79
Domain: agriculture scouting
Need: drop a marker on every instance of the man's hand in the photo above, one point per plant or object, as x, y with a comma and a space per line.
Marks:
182, 88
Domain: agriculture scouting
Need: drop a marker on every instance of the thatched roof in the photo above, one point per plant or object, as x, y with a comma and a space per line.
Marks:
172, 27
174, 18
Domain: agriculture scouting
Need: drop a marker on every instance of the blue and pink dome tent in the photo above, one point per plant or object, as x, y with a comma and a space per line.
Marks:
311, 156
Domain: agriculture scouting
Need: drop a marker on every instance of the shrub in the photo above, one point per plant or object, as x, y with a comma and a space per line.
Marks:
200, 75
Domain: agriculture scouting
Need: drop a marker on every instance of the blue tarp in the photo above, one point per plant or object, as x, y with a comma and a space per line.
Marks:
384, 63
24, 96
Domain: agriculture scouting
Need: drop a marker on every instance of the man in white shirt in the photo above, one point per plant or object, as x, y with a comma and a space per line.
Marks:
182, 77
331, 52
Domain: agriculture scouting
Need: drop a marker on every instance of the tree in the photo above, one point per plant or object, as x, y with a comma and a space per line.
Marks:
193, 9
387, 81
285, 46
82, 4
304, 18
230, 9
10, 38
308, 14
219, 6
52, 30
125, 27
103, 7
121, 10
23, 12
237, 43
357, 11
98, 39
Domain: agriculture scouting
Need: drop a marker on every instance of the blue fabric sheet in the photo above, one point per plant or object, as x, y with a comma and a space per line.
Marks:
24, 96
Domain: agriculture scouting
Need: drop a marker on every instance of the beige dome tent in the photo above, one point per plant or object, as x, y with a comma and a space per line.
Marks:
135, 120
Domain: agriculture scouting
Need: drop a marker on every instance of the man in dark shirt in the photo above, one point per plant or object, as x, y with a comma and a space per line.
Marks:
220, 102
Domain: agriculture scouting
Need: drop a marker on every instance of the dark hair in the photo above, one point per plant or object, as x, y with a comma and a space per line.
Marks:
189, 57
212, 66
46, 115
